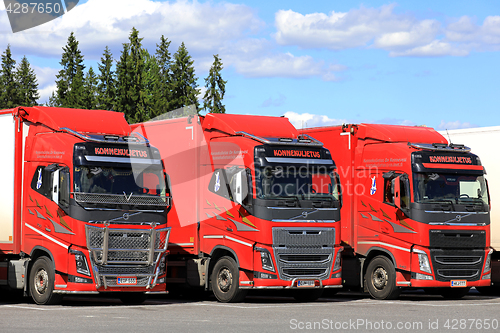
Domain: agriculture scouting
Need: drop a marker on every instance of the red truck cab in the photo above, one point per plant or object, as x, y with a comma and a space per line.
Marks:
415, 211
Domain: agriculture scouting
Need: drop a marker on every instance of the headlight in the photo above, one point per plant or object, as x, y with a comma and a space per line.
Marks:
266, 259
81, 262
487, 264
423, 261
336, 264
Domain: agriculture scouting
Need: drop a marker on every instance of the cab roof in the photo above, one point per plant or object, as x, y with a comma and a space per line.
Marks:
80, 120
263, 126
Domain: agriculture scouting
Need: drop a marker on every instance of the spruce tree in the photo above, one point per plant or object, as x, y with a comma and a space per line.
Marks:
216, 88
130, 72
162, 93
106, 87
184, 87
151, 84
27, 84
9, 96
90, 90
70, 92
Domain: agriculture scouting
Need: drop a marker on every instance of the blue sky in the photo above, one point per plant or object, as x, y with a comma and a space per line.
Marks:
433, 63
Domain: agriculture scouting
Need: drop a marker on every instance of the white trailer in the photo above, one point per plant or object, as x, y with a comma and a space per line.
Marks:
482, 142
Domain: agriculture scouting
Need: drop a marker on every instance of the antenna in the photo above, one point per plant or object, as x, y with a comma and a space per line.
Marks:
449, 137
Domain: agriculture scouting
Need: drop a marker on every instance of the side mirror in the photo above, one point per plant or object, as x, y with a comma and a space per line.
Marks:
402, 193
240, 189
55, 186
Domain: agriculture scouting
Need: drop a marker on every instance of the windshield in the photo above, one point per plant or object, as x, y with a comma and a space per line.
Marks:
311, 183
119, 180
443, 187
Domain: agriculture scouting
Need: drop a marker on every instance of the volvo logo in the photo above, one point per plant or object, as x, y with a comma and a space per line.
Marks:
126, 216
458, 218
304, 214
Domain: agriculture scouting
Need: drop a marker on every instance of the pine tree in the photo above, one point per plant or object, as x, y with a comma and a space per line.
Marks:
130, 72
70, 79
162, 93
106, 87
9, 95
184, 87
151, 83
27, 84
90, 89
216, 88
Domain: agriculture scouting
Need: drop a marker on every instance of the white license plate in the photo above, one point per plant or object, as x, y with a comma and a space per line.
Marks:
305, 283
126, 280
459, 283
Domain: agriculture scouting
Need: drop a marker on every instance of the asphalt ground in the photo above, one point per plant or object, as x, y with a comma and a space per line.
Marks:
277, 312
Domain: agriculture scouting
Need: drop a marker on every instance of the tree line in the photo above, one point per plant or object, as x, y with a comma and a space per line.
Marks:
139, 84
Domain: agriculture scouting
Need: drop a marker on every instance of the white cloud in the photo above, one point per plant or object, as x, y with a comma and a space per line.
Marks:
382, 28
450, 125
303, 120
46, 77
96, 23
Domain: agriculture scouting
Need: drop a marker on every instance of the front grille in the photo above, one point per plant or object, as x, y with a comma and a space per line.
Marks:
142, 246
451, 260
304, 272
126, 252
135, 200
458, 239
126, 270
289, 258
452, 264
458, 273
113, 282
303, 253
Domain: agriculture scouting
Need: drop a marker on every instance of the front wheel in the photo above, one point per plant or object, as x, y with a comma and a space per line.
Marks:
380, 279
41, 282
225, 281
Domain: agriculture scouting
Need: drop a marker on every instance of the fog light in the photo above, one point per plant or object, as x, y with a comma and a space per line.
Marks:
419, 276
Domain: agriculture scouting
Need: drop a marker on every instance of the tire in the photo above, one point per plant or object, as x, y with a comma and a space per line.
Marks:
380, 279
225, 281
453, 293
41, 282
133, 298
307, 295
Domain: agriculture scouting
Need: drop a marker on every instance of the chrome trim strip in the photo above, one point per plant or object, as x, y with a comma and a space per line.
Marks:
288, 208
227, 237
313, 142
404, 283
111, 159
55, 291
385, 244
61, 286
457, 224
181, 244
305, 221
47, 236
88, 138
450, 212
298, 160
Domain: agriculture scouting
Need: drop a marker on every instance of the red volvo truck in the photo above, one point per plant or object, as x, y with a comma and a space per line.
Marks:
83, 205
415, 210
255, 206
